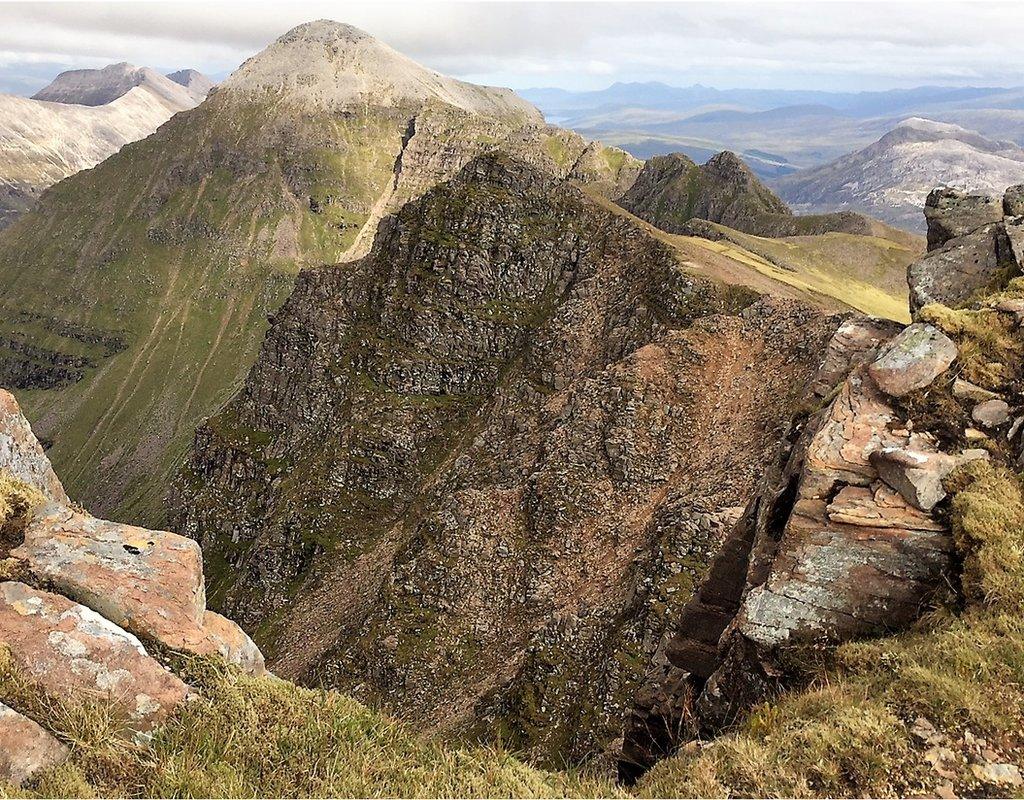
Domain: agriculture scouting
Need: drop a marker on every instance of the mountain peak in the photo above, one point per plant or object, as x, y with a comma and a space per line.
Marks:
325, 30
335, 65
97, 87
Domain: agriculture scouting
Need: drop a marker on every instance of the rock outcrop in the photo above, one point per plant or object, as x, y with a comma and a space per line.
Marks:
472, 474
847, 536
83, 604
972, 248
674, 194
25, 748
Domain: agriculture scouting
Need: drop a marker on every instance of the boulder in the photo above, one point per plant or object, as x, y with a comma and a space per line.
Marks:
951, 213
21, 454
25, 748
1013, 201
960, 269
69, 651
913, 359
991, 413
148, 582
918, 474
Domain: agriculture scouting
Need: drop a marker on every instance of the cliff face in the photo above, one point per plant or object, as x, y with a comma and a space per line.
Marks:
179, 246
471, 474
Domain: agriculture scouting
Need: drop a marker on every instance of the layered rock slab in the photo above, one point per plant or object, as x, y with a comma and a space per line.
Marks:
21, 454
70, 651
148, 582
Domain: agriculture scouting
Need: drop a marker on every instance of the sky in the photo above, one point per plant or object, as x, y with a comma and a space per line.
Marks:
574, 45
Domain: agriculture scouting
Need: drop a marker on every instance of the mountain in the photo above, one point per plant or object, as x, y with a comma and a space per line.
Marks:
671, 192
76, 122
891, 178
137, 293
197, 84
470, 475
97, 87
775, 132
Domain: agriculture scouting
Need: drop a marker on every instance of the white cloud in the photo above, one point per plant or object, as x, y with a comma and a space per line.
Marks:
792, 45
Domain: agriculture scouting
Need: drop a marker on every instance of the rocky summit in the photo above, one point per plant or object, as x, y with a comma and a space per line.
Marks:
674, 194
137, 293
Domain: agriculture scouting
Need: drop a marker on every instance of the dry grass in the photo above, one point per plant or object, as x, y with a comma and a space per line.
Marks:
264, 737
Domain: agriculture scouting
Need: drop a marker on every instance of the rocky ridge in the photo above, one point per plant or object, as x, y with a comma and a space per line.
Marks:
85, 604
471, 475
79, 120
848, 535
138, 293
676, 195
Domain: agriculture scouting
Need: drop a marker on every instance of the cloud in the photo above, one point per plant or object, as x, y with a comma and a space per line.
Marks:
577, 45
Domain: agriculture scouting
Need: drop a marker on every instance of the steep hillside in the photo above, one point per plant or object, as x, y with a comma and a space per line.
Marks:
76, 122
838, 271
97, 87
671, 191
890, 178
137, 293
470, 475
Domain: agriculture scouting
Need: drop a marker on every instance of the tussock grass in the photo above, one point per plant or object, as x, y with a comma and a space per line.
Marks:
847, 734
250, 737
988, 347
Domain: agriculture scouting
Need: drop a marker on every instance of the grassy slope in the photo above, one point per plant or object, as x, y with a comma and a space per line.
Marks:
816, 268
177, 248
264, 737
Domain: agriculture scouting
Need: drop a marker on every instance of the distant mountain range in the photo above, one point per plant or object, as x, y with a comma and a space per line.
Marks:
78, 120
775, 131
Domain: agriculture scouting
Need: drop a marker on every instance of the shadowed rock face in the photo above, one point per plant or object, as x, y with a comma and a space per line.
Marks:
472, 475
972, 247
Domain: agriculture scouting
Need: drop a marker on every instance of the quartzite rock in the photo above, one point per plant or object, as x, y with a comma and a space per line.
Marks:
25, 748
21, 454
952, 213
70, 651
914, 359
149, 582
965, 390
918, 474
